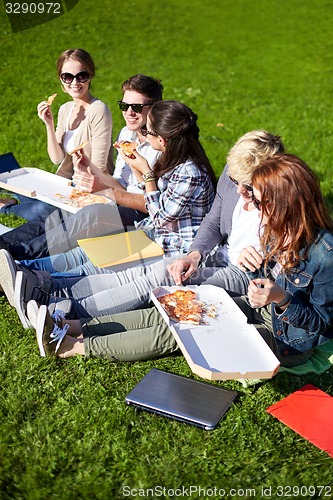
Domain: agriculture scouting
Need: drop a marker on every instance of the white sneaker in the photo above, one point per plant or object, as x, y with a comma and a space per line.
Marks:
8, 270
32, 312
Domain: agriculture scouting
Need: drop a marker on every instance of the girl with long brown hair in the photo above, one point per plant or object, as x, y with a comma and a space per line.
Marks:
291, 291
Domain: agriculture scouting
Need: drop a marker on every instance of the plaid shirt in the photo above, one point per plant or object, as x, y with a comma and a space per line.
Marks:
175, 211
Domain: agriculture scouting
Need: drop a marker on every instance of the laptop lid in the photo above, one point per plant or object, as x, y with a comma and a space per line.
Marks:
8, 163
181, 398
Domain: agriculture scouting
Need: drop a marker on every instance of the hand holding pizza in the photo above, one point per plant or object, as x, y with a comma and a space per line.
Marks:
45, 113
138, 163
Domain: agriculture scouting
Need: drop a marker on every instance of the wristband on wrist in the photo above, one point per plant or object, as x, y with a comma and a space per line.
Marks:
283, 302
148, 177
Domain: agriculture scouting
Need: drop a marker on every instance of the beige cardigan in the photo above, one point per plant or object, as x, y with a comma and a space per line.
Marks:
96, 128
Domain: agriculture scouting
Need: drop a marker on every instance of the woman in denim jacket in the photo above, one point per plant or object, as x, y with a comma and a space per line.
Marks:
291, 291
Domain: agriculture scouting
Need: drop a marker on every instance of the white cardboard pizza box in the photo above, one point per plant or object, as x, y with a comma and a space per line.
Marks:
39, 184
222, 348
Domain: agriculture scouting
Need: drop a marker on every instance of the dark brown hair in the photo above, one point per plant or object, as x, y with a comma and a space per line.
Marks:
177, 124
151, 87
294, 206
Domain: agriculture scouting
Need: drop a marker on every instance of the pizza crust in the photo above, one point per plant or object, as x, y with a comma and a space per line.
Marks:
79, 147
51, 99
127, 147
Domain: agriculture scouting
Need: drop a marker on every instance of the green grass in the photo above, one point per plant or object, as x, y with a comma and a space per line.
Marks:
65, 430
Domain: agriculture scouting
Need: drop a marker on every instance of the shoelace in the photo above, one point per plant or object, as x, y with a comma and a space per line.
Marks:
58, 334
58, 315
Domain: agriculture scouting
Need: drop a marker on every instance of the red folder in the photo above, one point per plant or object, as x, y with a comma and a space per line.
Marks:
308, 411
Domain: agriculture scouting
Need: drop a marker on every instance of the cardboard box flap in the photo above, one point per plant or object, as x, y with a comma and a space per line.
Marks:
33, 181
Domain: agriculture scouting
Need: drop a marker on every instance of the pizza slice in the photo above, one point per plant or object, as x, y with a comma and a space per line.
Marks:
51, 99
183, 306
80, 199
127, 147
79, 147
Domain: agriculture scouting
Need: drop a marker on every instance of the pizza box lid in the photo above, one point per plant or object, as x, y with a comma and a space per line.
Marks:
39, 184
222, 348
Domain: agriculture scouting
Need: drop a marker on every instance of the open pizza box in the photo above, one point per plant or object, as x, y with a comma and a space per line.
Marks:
222, 348
42, 185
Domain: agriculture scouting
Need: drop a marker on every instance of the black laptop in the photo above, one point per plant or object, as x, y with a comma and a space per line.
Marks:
181, 398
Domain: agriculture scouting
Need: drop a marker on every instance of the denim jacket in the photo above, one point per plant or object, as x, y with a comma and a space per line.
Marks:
308, 319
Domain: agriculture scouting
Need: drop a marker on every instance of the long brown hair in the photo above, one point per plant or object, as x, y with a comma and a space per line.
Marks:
293, 203
177, 123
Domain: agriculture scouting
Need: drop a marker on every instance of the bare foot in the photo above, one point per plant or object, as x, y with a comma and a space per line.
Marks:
7, 201
71, 346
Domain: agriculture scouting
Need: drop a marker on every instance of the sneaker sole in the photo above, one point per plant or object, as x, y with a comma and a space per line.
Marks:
7, 278
40, 329
32, 312
19, 293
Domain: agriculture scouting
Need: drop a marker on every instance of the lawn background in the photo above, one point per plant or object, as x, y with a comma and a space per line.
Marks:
65, 431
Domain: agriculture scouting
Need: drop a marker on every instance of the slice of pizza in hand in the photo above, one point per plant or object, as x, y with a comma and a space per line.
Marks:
127, 147
51, 99
183, 306
79, 147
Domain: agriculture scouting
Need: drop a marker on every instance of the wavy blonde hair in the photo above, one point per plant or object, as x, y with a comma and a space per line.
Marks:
249, 151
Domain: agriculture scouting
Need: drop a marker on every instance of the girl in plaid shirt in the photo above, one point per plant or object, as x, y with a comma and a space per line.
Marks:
179, 191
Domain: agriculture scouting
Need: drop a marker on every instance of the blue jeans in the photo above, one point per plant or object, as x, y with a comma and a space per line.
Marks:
72, 263
28, 208
76, 263
60, 231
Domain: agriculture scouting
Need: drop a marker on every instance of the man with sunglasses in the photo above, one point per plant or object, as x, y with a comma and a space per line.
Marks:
139, 93
40, 238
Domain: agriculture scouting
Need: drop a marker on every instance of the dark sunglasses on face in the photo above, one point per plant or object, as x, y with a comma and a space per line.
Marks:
257, 203
246, 186
146, 132
137, 108
81, 77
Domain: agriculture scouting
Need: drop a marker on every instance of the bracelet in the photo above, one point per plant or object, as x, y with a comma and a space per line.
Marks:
148, 177
283, 302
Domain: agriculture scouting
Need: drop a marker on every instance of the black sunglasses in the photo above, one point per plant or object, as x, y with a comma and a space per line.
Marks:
137, 108
246, 186
146, 132
81, 77
257, 203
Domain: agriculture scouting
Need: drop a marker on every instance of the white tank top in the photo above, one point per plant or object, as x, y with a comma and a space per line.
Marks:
69, 142
244, 231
